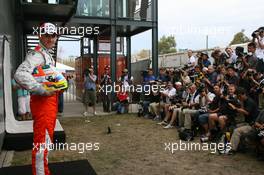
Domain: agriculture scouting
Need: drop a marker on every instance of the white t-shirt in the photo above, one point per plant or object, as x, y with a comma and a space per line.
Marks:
170, 92
126, 84
259, 51
192, 60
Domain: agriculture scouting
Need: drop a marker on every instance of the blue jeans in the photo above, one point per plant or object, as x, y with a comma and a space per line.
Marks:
146, 107
203, 119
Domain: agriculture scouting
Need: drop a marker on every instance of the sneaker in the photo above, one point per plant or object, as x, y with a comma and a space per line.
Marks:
162, 123
87, 121
60, 114
85, 114
146, 116
204, 139
260, 157
169, 126
95, 113
230, 152
157, 118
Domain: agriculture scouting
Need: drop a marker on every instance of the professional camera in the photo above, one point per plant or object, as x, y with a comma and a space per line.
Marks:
201, 88
240, 51
234, 102
250, 72
176, 100
255, 34
261, 84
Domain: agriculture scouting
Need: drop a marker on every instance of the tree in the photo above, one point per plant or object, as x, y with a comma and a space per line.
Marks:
240, 38
167, 44
143, 54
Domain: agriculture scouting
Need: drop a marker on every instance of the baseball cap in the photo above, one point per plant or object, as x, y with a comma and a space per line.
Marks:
48, 28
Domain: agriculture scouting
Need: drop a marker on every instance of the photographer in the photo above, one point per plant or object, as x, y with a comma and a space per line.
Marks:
198, 76
192, 59
167, 95
153, 103
213, 107
151, 97
163, 76
250, 110
191, 101
126, 80
219, 57
239, 65
199, 106
185, 77
231, 56
259, 90
179, 99
231, 77
259, 127
149, 77
210, 78
89, 96
175, 102
258, 38
250, 61
247, 79
205, 58
226, 113
105, 80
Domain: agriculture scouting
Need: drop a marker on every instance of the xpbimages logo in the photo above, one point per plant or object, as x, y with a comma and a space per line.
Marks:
78, 147
146, 89
59, 30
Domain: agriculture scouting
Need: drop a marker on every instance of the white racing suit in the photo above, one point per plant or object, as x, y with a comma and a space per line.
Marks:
43, 108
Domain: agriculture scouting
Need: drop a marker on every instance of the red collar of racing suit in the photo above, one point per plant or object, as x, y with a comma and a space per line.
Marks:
40, 48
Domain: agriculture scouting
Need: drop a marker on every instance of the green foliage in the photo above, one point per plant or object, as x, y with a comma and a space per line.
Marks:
143, 54
167, 45
240, 38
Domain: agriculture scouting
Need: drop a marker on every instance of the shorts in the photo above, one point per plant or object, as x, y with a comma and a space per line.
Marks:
203, 118
89, 97
23, 104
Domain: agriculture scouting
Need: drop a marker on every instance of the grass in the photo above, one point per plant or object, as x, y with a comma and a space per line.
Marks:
136, 146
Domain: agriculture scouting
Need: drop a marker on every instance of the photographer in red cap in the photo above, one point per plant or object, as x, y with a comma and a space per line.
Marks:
105, 95
43, 102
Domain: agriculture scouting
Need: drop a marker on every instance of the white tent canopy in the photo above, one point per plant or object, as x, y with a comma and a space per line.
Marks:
64, 68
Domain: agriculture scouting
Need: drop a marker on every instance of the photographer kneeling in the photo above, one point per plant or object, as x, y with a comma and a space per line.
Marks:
250, 110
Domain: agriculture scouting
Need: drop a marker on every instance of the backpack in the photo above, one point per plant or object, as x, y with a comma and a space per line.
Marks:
186, 135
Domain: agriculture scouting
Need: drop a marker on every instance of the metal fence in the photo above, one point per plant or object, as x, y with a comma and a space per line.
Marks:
70, 94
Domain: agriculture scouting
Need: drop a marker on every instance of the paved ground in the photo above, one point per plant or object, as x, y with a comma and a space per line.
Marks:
72, 109
6, 158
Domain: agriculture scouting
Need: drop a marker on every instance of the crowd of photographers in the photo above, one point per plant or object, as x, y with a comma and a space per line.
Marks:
214, 95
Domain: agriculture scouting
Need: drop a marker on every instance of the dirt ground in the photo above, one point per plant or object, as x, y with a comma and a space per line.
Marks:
137, 146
